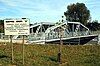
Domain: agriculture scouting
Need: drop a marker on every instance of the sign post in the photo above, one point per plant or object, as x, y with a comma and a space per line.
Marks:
12, 54
23, 49
17, 27
61, 42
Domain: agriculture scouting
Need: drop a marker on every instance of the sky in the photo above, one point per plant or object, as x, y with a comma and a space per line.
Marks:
44, 10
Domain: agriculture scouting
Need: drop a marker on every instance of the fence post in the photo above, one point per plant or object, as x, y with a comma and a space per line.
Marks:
12, 48
23, 49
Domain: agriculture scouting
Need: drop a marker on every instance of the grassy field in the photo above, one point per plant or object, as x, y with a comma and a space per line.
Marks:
46, 55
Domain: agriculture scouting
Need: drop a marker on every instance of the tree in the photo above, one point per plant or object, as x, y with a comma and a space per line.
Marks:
94, 25
77, 12
1, 26
2, 22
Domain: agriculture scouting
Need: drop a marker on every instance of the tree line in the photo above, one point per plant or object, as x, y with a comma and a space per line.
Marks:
94, 25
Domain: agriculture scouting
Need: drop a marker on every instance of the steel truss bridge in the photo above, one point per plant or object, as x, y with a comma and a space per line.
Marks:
68, 32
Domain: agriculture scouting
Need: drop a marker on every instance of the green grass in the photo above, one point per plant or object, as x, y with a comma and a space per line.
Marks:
46, 55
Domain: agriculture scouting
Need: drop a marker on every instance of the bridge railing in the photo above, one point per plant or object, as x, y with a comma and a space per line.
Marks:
95, 32
2, 36
52, 35
55, 35
38, 36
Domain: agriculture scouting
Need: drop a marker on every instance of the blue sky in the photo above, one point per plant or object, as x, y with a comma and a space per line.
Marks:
44, 10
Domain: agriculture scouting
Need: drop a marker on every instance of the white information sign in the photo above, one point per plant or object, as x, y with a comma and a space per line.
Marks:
16, 27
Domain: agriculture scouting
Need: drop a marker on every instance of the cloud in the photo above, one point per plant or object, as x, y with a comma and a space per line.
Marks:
50, 10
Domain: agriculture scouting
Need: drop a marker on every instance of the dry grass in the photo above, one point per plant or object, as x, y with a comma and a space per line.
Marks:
46, 55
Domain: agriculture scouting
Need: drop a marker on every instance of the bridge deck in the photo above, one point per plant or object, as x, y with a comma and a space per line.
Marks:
69, 40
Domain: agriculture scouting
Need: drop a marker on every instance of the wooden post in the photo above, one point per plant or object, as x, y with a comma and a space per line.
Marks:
60, 47
23, 49
98, 39
12, 48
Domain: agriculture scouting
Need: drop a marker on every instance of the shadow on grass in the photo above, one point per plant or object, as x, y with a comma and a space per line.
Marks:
50, 58
3, 56
53, 58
